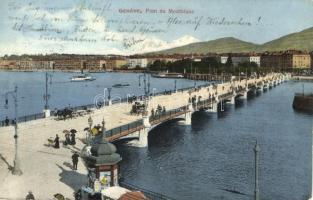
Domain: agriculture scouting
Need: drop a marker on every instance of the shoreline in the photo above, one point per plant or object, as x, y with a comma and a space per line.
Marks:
302, 78
75, 71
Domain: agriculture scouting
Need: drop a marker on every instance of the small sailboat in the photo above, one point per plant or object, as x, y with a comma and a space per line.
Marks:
82, 77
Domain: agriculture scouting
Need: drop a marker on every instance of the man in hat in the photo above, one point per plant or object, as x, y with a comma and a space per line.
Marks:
30, 196
75, 160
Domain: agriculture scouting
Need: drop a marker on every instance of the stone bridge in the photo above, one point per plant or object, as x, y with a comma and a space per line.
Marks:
183, 104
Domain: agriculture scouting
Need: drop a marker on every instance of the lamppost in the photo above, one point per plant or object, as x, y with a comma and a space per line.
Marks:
103, 126
311, 198
109, 96
90, 121
16, 169
146, 82
256, 168
175, 83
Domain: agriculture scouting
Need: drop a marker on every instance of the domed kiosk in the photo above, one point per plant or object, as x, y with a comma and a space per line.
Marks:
101, 161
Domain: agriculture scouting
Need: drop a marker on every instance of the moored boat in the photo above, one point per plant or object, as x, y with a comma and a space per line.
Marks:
82, 77
168, 75
120, 85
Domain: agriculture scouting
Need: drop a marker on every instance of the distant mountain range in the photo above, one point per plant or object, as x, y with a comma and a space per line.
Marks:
300, 41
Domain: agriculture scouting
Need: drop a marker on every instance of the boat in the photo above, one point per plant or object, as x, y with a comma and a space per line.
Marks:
82, 77
167, 75
303, 102
120, 85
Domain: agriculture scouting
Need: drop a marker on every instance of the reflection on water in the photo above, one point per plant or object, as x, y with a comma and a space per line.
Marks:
215, 154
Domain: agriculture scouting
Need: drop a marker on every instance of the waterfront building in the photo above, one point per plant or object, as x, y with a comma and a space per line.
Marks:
223, 59
241, 58
113, 63
68, 64
286, 60
137, 62
256, 59
7, 64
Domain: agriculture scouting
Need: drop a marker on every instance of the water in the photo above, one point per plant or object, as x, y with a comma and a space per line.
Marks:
216, 152
198, 161
31, 88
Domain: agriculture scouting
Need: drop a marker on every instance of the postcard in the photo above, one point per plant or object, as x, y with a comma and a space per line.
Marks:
168, 99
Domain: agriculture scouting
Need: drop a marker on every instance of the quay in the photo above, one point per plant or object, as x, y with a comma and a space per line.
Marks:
302, 78
43, 166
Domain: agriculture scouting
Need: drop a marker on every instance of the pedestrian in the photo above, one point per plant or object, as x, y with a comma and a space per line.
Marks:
56, 142
75, 160
152, 112
67, 139
73, 142
6, 121
30, 196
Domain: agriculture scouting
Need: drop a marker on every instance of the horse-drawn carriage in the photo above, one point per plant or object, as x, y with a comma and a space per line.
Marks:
64, 113
68, 113
138, 108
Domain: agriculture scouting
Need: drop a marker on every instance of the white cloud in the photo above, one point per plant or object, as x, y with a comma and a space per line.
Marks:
155, 44
91, 26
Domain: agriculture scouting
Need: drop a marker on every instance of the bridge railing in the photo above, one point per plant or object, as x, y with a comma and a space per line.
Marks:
36, 116
167, 114
203, 103
149, 194
124, 128
226, 95
23, 119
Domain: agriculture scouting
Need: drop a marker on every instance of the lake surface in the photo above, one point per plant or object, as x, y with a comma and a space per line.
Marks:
216, 152
63, 92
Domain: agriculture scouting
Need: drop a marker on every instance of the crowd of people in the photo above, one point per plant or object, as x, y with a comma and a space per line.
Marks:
160, 110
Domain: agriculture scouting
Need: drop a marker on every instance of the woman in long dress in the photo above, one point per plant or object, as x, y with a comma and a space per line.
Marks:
56, 142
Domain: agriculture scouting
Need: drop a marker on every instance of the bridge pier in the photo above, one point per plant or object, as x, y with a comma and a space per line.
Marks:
188, 118
245, 94
273, 83
188, 115
47, 113
142, 134
213, 108
232, 100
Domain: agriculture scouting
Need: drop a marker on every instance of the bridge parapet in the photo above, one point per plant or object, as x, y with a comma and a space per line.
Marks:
156, 119
124, 130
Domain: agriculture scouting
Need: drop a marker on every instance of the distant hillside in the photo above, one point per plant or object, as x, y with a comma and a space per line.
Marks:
223, 45
301, 41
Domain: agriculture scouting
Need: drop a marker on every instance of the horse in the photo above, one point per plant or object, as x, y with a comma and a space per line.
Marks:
64, 113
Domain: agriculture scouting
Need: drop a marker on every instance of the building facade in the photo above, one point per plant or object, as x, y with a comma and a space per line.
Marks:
137, 62
242, 58
113, 64
286, 60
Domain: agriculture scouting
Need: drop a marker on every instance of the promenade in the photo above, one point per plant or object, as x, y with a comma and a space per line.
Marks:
47, 171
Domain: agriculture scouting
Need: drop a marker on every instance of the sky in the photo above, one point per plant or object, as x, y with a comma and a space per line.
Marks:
137, 26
